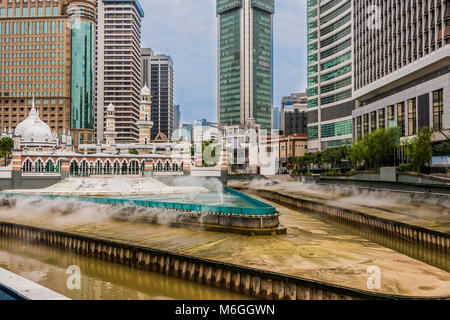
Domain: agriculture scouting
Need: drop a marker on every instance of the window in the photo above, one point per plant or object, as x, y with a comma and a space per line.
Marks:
373, 121
381, 119
438, 109
366, 123
401, 118
391, 114
412, 117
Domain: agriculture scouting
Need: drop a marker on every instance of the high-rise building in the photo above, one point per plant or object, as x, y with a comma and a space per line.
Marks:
176, 117
294, 114
276, 118
402, 66
157, 73
46, 51
118, 66
329, 84
245, 43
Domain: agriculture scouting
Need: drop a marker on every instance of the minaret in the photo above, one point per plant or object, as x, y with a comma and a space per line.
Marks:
110, 132
145, 124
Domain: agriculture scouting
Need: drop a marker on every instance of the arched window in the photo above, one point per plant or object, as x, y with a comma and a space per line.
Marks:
74, 168
108, 167
116, 168
98, 169
134, 167
124, 167
27, 166
50, 166
84, 168
167, 166
39, 166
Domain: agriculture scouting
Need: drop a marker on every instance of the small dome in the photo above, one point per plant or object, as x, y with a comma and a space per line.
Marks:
39, 132
110, 107
27, 123
145, 91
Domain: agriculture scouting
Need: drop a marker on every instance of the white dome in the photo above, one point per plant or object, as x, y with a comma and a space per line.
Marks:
27, 123
39, 132
110, 107
145, 91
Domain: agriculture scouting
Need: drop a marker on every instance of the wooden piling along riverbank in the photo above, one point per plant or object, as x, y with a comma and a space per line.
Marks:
252, 282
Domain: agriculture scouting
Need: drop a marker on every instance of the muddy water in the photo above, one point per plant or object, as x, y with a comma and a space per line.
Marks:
100, 280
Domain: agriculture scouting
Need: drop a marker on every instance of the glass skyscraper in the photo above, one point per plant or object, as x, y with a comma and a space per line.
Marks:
245, 61
329, 72
82, 19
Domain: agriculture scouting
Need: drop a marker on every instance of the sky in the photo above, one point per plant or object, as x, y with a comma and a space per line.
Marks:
186, 30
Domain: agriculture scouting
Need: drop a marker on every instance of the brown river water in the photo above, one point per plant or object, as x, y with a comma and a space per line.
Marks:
100, 280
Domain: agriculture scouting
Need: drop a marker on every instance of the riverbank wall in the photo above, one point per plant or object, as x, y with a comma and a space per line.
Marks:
252, 282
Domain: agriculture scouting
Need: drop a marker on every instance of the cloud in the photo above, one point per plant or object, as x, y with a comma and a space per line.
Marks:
187, 31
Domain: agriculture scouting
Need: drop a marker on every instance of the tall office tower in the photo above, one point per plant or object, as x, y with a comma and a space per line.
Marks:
402, 66
329, 85
82, 23
176, 117
294, 114
157, 73
276, 118
245, 65
46, 52
118, 66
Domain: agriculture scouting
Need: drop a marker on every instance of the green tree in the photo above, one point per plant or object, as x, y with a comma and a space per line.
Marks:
442, 149
419, 150
358, 152
6, 146
334, 156
375, 149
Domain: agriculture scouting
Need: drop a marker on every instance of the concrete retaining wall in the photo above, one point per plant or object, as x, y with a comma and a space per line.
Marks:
425, 237
252, 282
14, 287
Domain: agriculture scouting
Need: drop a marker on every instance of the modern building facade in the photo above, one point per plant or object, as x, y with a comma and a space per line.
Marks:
204, 130
82, 16
329, 71
402, 67
46, 52
245, 45
157, 73
176, 117
294, 116
118, 66
276, 118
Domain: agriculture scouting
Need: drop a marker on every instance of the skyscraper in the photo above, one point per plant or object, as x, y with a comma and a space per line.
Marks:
294, 114
46, 51
329, 84
157, 73
118, 66
245, 45
176, 117
82, 23
402, 67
